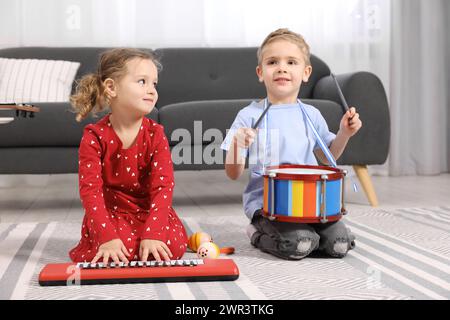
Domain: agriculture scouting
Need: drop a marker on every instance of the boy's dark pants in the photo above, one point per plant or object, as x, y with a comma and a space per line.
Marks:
284, 239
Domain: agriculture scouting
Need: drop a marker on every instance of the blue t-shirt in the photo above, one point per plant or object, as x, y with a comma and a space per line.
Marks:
288, 140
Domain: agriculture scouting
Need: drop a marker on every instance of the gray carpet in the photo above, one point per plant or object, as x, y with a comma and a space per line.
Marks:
400, 254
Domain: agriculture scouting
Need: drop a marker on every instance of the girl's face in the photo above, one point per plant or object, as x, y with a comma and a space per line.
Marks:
136, 90
282, 70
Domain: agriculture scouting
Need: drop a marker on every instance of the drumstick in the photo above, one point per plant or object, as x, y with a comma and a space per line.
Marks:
341, 95
345, 104
261, 117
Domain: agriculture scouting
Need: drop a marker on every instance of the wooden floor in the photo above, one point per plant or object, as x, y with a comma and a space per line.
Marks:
45, 198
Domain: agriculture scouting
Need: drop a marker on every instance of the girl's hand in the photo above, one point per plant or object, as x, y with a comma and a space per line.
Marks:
113, 249
156, 248
244, 137
350, 123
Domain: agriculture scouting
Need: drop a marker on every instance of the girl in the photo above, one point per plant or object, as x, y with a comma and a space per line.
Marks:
125, 167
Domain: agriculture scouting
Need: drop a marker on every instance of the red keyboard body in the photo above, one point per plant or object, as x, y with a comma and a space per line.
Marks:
66, 274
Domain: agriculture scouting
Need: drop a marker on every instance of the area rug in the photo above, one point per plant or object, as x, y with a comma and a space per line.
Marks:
400, 254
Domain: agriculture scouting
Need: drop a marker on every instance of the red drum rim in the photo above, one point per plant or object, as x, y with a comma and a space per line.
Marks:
282, 218
336, 175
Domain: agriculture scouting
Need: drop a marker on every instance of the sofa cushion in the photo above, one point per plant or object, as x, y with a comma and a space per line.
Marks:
36, 80
195, 74
88, 57
196, 118
39, 160
53, 126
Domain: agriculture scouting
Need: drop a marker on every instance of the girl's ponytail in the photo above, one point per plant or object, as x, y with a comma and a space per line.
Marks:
87, 96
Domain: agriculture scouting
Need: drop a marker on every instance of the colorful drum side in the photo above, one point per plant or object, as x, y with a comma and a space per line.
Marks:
302, 199
266, 195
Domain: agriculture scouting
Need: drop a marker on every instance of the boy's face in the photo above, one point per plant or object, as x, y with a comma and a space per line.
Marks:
282, 70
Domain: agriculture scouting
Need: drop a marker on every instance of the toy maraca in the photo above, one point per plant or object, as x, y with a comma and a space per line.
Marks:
208, 250
196, 239
202, 244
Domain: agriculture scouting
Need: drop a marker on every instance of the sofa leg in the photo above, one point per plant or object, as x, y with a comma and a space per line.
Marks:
366, 182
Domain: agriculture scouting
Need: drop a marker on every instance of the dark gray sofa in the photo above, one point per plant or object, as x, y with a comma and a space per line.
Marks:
196, 84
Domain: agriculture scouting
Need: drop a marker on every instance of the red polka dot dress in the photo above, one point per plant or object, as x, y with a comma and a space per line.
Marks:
126, 193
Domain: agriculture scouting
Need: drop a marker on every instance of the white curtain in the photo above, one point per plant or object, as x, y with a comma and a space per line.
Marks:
420, 105
349, 35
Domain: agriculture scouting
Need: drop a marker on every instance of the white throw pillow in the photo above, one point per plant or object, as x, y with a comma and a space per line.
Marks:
33, 80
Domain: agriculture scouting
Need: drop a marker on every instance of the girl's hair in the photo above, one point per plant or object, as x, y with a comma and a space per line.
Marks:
288, 35
90, 95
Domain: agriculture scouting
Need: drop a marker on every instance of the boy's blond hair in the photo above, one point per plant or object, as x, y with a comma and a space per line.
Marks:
287, 35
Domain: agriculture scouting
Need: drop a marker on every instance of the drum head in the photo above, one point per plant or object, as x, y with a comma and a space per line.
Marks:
299, 171
303, 172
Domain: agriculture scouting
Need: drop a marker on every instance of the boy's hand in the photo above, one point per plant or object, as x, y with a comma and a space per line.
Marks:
350, 123
244, 137
113, 249
156, 248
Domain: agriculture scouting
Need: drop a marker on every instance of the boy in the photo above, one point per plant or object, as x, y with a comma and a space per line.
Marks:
283, 63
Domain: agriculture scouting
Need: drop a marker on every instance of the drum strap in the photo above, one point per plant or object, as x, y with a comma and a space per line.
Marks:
267, 105
322, 144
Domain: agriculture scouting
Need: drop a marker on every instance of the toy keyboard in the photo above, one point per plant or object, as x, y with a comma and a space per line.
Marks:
66, 274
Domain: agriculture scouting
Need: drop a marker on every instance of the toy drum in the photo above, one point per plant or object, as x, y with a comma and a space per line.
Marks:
304, 194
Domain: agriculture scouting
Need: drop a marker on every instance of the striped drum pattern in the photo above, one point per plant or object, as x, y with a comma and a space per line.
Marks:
296, 193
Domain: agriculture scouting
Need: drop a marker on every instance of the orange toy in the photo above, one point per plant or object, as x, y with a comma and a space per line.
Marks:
196, 239
203, 245
208, 250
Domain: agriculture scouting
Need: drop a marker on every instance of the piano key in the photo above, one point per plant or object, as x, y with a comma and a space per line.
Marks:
153, 264
86, 265
179, 262
112, 265
122, 264
187, 263
101, 265
200, 261
194, 262
80, 265
167, 263
173, 262
140, 263
133, 264
148, 263
92, 265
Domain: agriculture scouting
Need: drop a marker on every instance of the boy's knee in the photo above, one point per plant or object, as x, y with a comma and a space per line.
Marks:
299, 244
304, 247
281, 240
339, 246
307, 242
